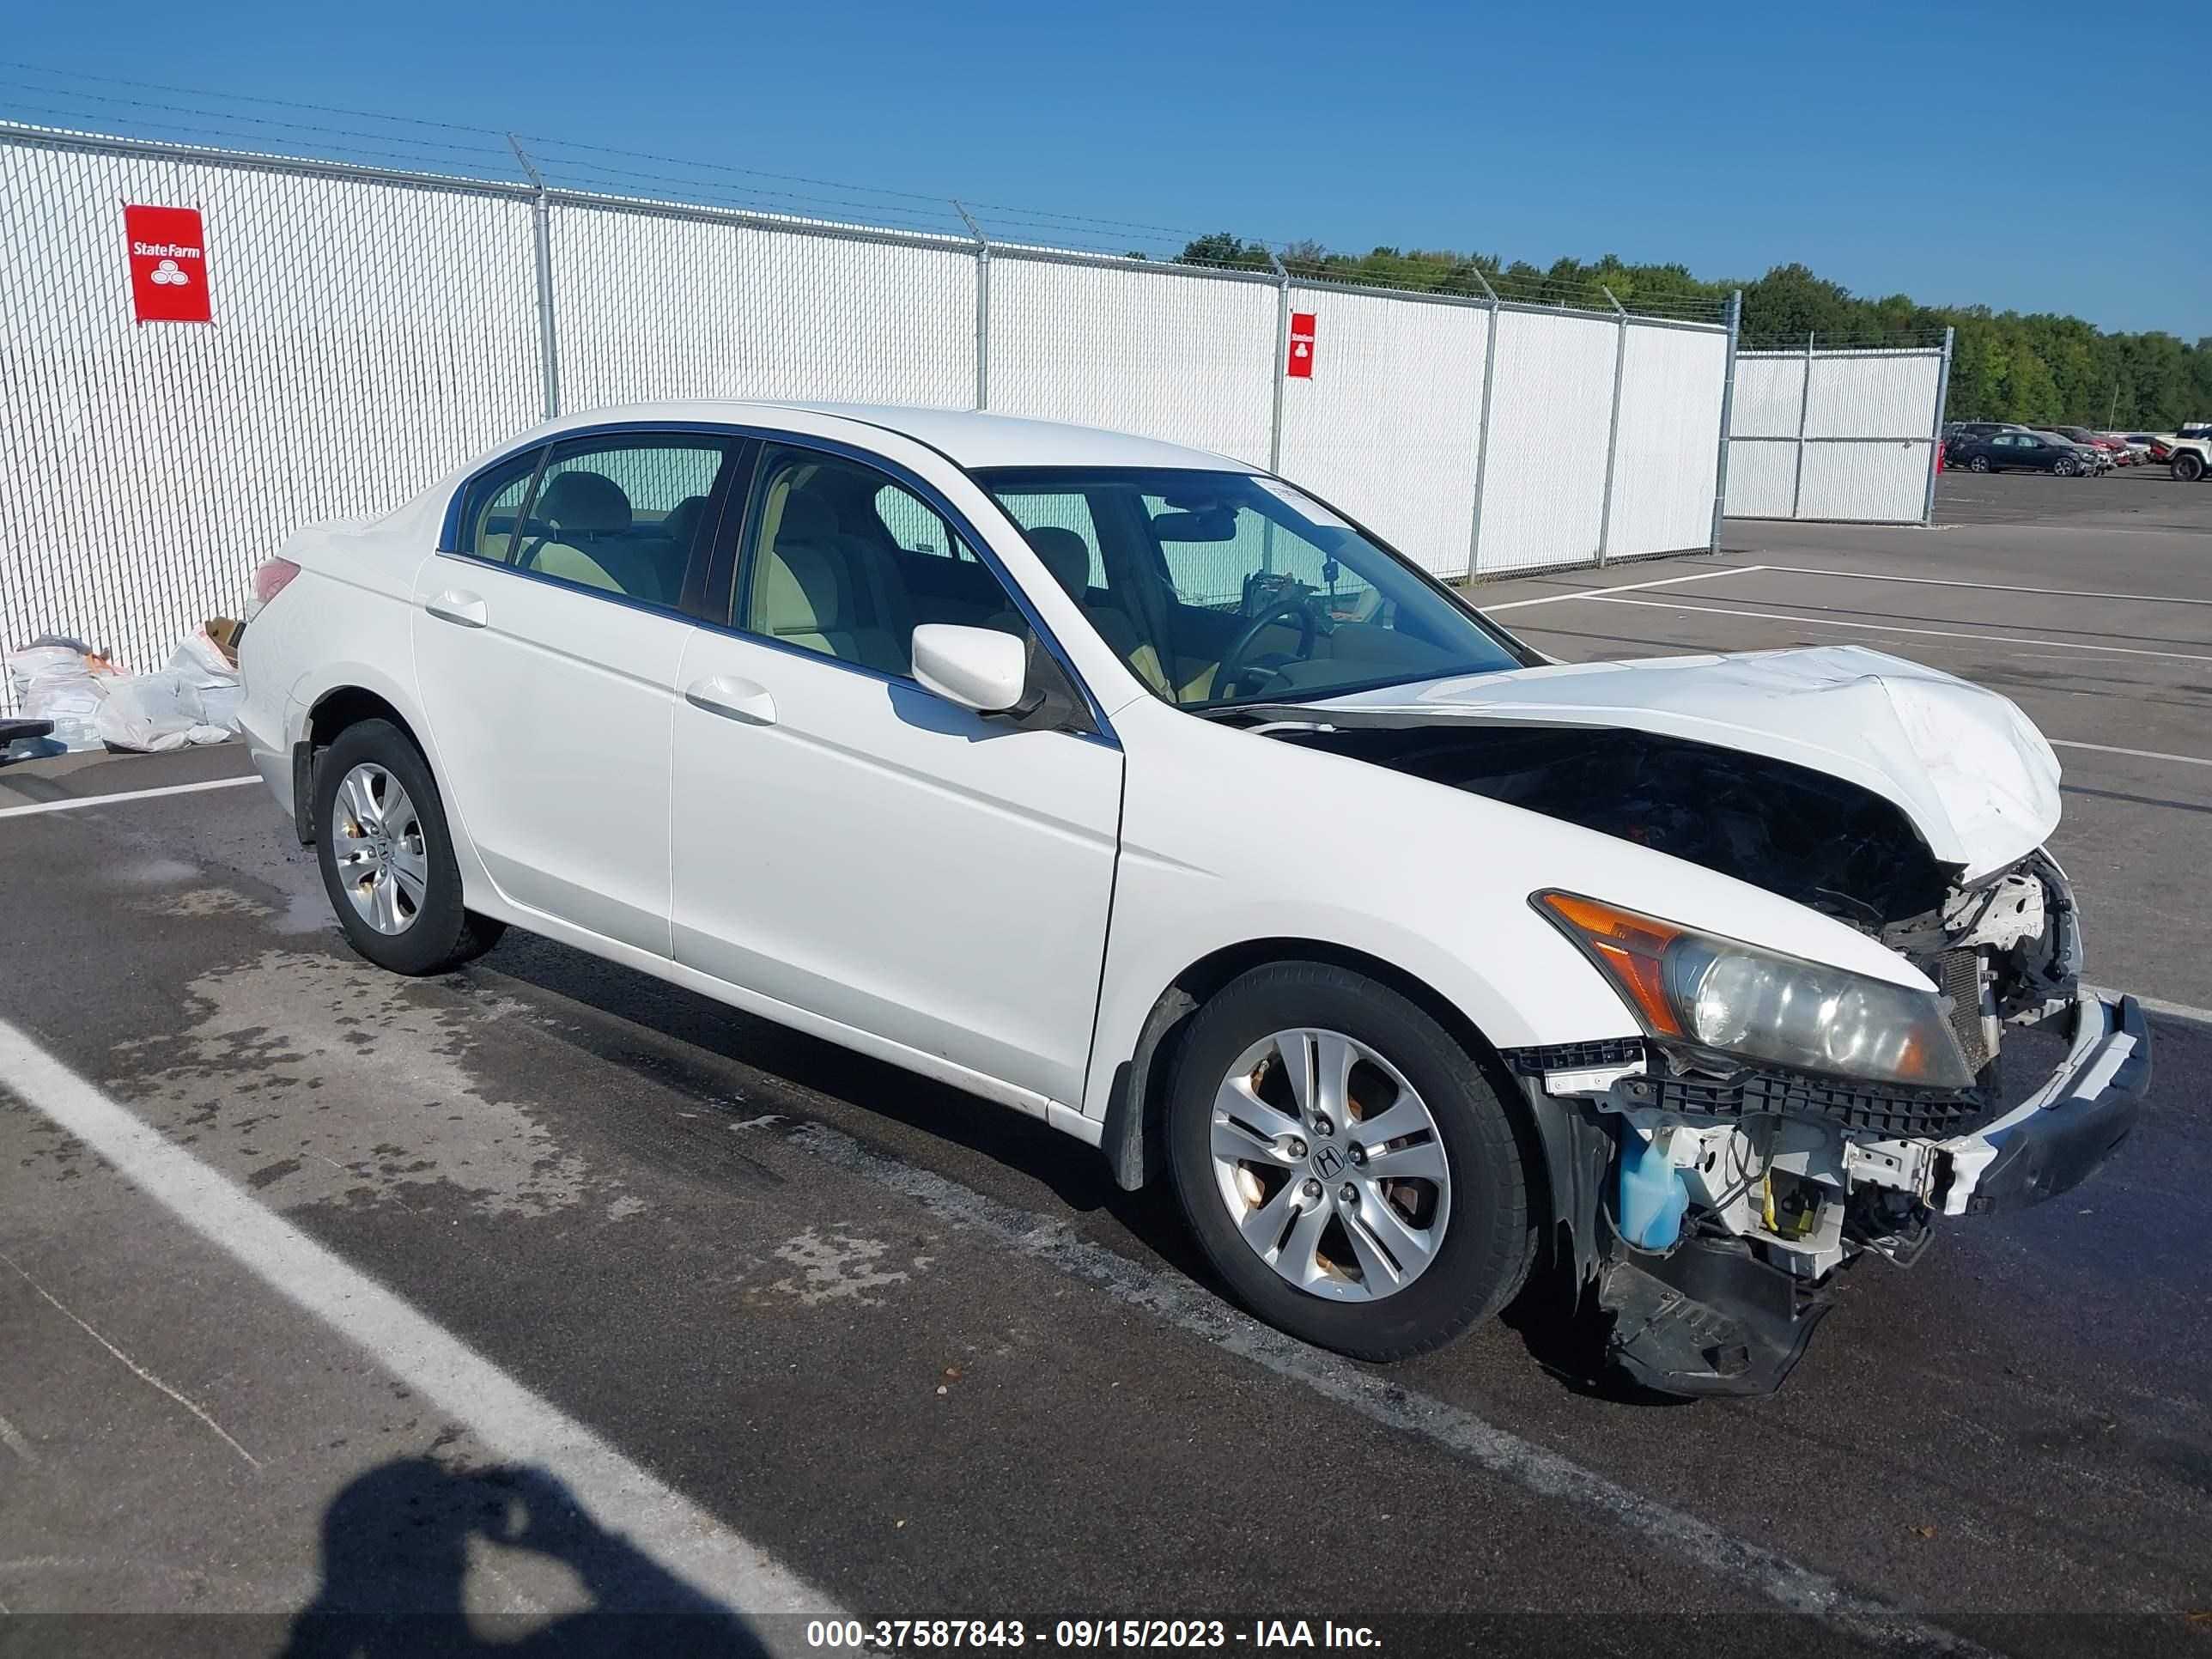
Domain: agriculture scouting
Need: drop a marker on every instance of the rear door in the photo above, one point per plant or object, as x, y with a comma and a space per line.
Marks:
547, 641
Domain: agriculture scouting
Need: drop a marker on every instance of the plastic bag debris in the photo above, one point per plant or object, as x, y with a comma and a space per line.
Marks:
65, 680
194, 699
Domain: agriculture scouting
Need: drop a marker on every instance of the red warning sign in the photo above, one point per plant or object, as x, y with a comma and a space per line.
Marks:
168, 264
1300, 367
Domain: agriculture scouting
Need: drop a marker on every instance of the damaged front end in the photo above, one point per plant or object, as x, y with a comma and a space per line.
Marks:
1703, 1196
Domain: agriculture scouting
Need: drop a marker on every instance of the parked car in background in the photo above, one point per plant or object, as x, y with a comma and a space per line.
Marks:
1126, 787
1979, 428
2103, 443
2156, 446
2089, 459
2016, 450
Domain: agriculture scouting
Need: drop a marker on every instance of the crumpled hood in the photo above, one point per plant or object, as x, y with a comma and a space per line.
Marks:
1965, 766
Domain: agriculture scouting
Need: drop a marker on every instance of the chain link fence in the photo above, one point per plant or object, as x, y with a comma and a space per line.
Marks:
374, 327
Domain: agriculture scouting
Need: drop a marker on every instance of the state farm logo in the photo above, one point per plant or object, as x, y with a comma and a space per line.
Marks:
169, 275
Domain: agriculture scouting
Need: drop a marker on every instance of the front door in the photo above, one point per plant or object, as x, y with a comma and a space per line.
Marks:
851, 844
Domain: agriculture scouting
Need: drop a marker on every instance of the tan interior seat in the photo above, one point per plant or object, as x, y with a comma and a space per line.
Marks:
808, 593
1066, 557
580, 504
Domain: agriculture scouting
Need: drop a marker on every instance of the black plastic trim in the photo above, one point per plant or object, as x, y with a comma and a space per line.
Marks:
1544, 1057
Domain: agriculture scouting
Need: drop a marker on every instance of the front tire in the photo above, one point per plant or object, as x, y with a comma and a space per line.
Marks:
1345, 1165
2063, 466
387, 857
1979, 464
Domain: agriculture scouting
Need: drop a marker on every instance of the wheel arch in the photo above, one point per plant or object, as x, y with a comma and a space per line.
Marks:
1136, 1102
343, 704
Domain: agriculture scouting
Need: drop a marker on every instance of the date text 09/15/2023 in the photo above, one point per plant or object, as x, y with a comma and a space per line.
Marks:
878, 1635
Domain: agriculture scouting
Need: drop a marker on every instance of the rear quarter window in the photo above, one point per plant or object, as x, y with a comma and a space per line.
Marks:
492, 505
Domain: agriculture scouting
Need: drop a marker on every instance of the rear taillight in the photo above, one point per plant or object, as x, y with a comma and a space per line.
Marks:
271, 579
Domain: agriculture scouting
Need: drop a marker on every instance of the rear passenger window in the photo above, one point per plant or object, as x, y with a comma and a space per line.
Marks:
620, 516
492, 506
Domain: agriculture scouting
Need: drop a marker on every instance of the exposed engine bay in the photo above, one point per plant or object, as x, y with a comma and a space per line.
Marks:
1706, 1203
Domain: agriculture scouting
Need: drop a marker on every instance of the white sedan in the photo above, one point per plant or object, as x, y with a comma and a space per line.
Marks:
1123, 785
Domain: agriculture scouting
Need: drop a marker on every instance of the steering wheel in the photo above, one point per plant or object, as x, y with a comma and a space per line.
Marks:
1233, 667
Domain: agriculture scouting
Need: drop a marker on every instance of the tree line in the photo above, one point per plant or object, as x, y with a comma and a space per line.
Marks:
2038, 369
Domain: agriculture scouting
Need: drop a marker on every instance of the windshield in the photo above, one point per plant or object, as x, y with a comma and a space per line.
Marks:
1220, 588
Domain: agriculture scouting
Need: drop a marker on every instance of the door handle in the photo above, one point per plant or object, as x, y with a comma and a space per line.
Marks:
732, 698
454, 606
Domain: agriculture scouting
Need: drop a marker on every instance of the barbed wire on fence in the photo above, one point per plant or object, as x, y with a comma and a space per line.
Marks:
1819, 340
83, 104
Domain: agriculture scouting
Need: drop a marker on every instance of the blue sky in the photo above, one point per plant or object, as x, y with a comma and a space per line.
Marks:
2004, 154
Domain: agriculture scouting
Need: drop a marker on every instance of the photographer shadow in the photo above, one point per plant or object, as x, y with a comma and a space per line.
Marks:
397, 1562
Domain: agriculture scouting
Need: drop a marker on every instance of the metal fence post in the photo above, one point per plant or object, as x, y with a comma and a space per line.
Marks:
1282, 362
1727, 414
982, 305
1613, 430
548, 342
1804, 403
1935, 436
1482, 426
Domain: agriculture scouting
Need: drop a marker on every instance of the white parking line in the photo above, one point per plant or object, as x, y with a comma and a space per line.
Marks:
1893, 628
75, 803
509, 1419
2139, 754
1626, 587
1984, 587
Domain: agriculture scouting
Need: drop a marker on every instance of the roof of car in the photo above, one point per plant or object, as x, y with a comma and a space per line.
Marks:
970, 438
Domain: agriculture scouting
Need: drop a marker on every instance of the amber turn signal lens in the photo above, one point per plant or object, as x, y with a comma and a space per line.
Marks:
1630, 946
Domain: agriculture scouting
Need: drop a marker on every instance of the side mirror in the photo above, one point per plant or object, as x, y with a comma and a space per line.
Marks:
1009, 676
978, 668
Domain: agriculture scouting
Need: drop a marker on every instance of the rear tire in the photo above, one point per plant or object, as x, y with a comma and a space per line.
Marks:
1461, 1186
2188, 466
387, 856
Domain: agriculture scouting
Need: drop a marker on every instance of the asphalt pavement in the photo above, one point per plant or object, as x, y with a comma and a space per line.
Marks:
544, 1287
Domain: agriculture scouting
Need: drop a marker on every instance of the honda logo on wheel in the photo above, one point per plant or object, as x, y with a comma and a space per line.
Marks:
1328, 1163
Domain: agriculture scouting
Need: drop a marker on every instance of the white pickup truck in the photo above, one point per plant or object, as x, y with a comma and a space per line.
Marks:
2189, 453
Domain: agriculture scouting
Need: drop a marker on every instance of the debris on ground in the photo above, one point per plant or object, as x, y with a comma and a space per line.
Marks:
193, 700
63, 680
23, 740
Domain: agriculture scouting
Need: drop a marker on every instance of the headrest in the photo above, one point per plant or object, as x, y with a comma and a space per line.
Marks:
682, 524
584, 500
805, 519
1066, 555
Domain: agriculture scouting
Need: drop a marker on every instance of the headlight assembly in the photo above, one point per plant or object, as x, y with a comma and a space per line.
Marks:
1712, 992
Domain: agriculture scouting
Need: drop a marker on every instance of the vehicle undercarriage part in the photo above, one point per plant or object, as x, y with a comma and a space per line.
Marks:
1708, 1318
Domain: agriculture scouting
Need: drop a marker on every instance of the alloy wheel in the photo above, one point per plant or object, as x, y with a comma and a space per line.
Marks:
376, 838
1330, 1165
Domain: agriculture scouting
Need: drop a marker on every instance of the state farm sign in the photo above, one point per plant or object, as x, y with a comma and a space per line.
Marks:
168, 264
